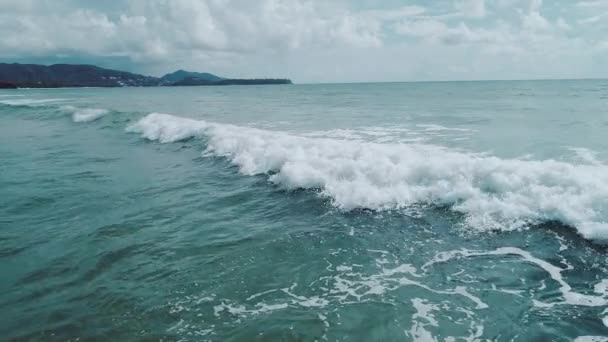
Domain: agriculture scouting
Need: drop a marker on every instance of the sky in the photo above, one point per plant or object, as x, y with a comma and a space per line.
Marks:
313, 41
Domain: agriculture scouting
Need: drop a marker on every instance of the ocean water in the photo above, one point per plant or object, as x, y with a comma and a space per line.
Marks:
458, 211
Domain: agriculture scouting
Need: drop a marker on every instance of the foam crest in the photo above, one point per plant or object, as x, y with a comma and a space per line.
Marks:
492, 193
85, 114
168, 128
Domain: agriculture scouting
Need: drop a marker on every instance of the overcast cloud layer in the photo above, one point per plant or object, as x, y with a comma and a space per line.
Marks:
316, 41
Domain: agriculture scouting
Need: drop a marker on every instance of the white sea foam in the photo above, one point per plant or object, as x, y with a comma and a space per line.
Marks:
85, 114
29, 102
348, 287
433, 127
491, 192
421, 319
591, 339
397, 134
570, 297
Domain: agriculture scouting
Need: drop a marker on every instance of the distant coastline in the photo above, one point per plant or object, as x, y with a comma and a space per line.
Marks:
7, 85
17, 75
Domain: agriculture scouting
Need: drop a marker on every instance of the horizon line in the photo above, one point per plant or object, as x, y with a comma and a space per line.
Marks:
350, 82
456, 80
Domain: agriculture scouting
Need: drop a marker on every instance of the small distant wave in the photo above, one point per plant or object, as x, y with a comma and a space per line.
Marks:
395, 134
375, 134
433, 127
492, 193
29, 102
85, 114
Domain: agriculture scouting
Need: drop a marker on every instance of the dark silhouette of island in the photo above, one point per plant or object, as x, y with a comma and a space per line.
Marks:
193, 81
68, 75
181, 75
17, 75
7, 85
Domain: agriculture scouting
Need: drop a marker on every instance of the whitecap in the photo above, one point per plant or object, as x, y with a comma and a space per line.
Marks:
85, 114
434, 127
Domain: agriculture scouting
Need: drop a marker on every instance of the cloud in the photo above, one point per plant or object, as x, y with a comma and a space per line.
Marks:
472, 8
437, 32
535, 5
534, 21
394, 14
155, 28
592, 19
314, 40
593, 4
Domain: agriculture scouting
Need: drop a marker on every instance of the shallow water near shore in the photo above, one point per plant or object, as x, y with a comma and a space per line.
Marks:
466, 211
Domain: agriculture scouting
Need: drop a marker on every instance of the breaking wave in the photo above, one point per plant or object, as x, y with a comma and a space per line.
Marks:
492, 193
85, 114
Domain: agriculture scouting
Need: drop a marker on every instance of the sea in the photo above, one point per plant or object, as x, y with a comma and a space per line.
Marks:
431, 211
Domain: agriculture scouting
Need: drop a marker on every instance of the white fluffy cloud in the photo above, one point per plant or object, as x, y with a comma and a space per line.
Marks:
314, 40
472, 8
158, 28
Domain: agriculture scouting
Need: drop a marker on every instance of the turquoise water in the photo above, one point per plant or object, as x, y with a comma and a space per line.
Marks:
461, 211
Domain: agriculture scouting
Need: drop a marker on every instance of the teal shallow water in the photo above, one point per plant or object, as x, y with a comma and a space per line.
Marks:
427, 211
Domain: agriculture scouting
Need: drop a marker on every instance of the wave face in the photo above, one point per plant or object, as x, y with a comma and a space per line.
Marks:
85, 114
492, 193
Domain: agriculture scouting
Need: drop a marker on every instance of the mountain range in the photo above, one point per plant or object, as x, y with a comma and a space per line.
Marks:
180, 75
81, 75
